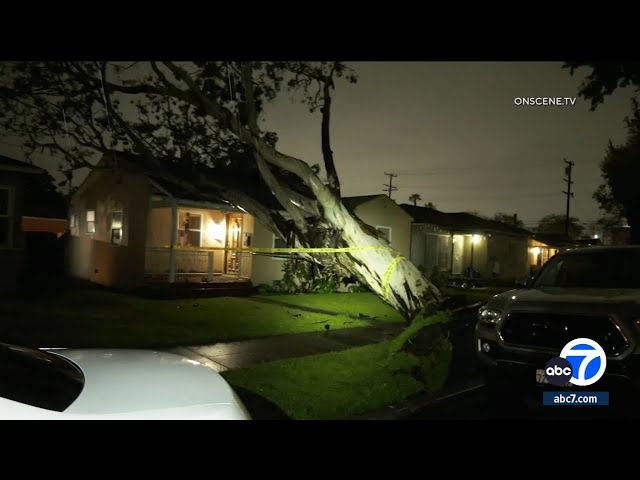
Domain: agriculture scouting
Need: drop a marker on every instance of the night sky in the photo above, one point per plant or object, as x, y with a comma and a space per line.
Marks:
452, 133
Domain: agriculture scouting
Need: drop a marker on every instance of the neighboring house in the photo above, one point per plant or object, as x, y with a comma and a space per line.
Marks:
457, 242
12, 256
377, 211
127, 228
543, 246
386, 216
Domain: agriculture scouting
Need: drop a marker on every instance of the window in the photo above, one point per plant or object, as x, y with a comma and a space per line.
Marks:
6, 216
74, 224
189, 229
385, 232
279, 243
38, 378
116, 227
91, 221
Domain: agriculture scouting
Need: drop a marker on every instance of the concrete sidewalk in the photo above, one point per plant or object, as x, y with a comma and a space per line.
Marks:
225, 356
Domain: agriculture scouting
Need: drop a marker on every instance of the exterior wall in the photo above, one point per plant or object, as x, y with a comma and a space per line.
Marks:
511, 254
92, 256
430, 247
12, 257
266, 269
384, 211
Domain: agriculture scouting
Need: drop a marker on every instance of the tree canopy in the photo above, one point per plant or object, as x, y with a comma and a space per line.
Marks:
618, 194
555, 224
510, 219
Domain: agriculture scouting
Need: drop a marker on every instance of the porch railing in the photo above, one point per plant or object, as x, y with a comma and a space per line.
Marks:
193, 262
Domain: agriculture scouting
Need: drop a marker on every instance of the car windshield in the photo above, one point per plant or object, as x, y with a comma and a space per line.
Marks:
38, 378
603, 269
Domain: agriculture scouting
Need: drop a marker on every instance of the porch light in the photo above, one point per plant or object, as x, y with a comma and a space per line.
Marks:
476, 239
215, 231
535, 251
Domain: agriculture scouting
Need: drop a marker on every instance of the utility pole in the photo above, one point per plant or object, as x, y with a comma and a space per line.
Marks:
567, 172
389, 187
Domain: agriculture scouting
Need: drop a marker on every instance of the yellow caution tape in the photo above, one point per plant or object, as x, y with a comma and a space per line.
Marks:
283, 250
386, 280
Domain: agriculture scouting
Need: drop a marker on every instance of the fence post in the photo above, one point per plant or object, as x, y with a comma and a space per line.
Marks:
209, 266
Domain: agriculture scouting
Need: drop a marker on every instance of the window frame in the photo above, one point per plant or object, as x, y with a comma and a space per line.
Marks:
378, 227
9, 215
199, 230
121, 228
90, 222
274, 239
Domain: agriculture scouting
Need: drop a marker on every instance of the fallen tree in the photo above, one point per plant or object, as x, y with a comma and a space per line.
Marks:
190, 122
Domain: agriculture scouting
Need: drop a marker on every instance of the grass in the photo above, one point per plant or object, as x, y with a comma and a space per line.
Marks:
100, 318
347, 383
363, 303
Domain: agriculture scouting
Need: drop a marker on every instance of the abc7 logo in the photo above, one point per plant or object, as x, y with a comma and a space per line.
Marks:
582, 362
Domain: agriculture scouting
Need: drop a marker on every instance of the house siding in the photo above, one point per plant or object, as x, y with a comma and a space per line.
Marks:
266, 269
382, 210
92, 256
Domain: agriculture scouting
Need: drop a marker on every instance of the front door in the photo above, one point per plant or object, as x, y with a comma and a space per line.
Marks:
233, 244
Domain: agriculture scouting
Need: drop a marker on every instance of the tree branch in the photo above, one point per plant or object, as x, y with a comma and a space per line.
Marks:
327, 153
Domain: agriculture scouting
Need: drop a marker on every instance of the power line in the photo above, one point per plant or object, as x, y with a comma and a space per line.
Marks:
389, 187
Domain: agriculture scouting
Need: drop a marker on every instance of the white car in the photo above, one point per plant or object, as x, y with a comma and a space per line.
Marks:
111, 384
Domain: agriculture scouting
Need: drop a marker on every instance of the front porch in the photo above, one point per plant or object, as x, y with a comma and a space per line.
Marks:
196, 265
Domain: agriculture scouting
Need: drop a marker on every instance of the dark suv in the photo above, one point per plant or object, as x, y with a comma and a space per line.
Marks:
591, 292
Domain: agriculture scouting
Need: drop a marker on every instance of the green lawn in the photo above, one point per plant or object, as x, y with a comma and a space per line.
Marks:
349, 303
99, 318
343, 384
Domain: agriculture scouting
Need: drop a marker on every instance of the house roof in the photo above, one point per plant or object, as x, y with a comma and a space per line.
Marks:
354, 202
461, 222
12, 165
555, 239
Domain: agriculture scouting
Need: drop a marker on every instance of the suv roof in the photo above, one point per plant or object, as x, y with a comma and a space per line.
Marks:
595, 250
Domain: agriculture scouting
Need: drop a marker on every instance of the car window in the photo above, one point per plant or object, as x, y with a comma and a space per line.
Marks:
38, 378
605, 269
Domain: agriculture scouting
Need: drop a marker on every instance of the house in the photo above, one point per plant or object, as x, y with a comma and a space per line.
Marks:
459, 242
386, 216
13, 174
129, 227
377, 211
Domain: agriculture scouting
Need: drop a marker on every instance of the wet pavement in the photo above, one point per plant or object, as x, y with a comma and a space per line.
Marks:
224, 356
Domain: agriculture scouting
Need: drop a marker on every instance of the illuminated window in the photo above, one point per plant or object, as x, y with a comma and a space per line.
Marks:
190, 229
6, 216
91, 221
116, 227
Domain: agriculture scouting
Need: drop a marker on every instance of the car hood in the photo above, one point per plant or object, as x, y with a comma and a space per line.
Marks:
124, 381
554, 297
